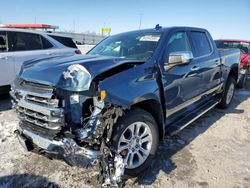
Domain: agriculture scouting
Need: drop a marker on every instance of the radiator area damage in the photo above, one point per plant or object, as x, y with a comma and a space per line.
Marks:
90, 145
97, 132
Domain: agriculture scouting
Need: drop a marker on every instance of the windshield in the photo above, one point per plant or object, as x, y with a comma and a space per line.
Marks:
136, 46
243, 46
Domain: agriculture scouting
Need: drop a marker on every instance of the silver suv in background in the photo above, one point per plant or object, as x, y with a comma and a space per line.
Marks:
19, 45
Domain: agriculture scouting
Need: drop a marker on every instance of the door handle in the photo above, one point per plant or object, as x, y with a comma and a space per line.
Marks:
195, 68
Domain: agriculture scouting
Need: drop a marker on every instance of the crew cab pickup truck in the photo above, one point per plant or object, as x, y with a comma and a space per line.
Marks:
244, 46
112, 106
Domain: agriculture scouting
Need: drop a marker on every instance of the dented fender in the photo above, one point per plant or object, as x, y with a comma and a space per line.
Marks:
132, 86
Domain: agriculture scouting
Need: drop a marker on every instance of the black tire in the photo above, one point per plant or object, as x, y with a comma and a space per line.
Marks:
4, 92
129, 118
224, 102
4, 96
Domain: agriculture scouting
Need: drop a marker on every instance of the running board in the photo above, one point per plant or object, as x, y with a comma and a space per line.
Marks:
174, 128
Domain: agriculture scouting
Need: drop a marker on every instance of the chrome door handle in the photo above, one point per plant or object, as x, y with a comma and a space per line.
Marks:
195, 68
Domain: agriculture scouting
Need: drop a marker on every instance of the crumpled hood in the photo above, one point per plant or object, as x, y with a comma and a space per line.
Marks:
49, 70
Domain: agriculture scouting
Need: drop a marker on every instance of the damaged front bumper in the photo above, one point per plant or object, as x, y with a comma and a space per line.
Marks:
112, 164
65, 149
55, 126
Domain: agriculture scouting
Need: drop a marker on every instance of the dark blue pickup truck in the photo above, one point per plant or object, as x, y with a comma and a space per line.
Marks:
112, 106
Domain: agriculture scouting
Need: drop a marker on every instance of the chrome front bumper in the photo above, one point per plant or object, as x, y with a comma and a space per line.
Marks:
65, 148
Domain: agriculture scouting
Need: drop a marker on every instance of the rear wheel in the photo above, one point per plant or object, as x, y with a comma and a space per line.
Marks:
135, 137
228, 93
242, 81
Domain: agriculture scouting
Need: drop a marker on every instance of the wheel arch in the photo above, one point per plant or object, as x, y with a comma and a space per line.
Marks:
153, 107
234, 72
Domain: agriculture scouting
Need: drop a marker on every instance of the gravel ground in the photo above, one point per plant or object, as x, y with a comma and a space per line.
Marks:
212, 152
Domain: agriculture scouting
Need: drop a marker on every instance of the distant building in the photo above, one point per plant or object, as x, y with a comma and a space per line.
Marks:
79, 38
43, 27
84, 38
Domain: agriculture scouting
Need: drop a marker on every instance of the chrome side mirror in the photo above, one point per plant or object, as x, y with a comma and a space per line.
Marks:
178, 58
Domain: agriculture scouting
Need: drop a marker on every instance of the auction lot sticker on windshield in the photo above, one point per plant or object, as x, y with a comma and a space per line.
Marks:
150, 38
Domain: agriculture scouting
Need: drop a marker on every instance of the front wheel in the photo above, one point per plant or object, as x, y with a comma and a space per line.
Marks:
136, 138
228, 93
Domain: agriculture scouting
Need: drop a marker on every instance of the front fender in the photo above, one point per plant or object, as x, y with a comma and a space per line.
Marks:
132, 86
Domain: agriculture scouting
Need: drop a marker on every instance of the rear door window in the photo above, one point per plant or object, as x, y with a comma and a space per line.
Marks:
65, 41
3, 42
200, 43
26, 41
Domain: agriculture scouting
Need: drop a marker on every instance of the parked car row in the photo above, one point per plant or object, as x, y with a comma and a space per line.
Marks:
18, 46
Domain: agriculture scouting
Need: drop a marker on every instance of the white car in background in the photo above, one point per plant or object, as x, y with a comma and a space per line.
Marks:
20, 45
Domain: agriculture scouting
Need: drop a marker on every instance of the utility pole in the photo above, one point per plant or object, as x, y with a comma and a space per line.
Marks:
74, 25
140, 20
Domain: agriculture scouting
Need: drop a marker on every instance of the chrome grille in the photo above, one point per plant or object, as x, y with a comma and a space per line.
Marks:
37, 106
38, 118
42, 100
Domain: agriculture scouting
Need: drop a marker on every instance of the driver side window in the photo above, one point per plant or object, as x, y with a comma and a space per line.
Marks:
178, 42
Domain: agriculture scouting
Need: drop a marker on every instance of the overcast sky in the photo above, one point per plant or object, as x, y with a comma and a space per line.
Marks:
223, 18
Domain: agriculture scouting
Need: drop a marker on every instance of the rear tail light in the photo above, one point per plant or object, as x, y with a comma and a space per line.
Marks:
78, 52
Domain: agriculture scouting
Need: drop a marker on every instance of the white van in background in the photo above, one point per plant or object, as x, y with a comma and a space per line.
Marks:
20, 45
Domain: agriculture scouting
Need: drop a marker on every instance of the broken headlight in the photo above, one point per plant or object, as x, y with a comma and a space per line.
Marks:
75, 78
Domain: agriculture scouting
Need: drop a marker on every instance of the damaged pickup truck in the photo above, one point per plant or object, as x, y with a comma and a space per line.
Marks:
112, 106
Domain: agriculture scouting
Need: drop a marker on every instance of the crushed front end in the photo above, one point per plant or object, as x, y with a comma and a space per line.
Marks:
72, 126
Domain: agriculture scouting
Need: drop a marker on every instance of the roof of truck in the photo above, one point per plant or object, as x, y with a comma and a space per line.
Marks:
164, 29
173, 27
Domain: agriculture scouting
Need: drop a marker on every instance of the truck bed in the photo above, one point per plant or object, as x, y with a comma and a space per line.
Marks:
229, 56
